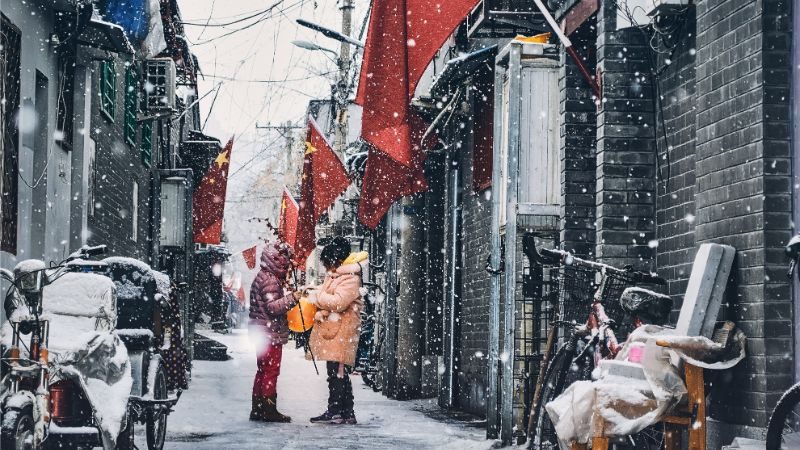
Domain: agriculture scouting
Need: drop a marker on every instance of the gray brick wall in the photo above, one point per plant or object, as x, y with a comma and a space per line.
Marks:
474, 319
117, 165
626, 150
676, 158
578, 138
743, 186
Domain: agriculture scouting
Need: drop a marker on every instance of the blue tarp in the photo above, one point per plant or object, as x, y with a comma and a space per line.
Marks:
131, 15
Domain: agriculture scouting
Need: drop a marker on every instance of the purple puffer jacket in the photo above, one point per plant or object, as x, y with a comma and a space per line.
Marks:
268, 302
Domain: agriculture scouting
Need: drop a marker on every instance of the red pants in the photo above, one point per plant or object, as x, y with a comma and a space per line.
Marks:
269, 367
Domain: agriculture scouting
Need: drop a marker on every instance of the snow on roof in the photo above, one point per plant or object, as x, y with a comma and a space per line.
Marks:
81, 294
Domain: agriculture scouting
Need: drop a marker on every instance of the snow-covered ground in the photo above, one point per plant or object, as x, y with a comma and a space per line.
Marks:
213, 413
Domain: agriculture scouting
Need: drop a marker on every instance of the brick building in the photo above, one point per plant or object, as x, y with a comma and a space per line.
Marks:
690, 143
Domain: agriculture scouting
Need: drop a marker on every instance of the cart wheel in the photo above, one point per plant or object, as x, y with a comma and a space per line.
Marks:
157, 419
17, 432
125, 437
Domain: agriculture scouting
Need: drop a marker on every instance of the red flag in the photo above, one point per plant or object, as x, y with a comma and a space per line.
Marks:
403, 38
208, 203
249, 256
287, 224
324, 179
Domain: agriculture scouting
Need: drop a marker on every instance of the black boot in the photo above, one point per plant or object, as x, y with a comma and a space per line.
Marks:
257, 410
271, 413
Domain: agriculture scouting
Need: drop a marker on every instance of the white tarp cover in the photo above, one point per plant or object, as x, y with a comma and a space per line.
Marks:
83, 346
624, 406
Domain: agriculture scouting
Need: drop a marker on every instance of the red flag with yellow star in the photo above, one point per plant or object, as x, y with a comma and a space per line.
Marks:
287, 224
208, 203
324, 179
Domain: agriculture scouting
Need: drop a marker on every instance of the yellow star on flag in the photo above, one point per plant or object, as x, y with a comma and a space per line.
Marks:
222, 159
310, 148
283, 205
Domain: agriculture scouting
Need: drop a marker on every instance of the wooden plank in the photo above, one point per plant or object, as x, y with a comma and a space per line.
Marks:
695, 387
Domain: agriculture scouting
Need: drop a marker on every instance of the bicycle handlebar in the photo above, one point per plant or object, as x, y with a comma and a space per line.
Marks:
567, 258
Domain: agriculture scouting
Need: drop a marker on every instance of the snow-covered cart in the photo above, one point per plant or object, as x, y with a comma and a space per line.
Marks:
142, 305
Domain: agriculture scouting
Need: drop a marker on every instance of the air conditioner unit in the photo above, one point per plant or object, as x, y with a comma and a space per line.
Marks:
159, 92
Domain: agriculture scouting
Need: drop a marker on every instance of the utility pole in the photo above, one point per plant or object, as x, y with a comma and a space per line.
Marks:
340, 106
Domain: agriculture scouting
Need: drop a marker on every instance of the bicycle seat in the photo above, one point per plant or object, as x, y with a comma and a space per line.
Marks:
651, 307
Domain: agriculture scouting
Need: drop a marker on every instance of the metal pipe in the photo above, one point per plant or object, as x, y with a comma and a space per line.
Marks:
568, 47
512, 171
492, 425
455, 210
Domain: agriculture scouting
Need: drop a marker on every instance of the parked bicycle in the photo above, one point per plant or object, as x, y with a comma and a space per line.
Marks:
369, 344
592, 340
783, 431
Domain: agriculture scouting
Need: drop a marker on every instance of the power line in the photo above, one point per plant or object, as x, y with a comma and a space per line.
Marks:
239, 80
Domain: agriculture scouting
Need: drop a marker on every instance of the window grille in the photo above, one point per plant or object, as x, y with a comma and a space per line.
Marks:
108, 89
147, 143
131, 103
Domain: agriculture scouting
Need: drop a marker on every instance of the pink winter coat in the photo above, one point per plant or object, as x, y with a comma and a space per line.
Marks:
337, 324
268, 301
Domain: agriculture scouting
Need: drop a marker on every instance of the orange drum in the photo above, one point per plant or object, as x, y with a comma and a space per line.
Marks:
300, 323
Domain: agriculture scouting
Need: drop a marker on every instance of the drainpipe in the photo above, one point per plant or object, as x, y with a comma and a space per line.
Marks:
495, 267
454, 207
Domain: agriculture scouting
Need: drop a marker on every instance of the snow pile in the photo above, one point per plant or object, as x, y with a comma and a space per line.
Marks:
136, 274
86, 295
162, 283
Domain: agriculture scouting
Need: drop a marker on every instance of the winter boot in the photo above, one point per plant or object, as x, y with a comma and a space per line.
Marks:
271, 413
257, 410
326, 417
345, 418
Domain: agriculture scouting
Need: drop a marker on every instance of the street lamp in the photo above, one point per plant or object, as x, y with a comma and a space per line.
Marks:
333, 34
313, 47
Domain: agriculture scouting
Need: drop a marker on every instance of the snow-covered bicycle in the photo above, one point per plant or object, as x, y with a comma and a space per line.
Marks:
592, 340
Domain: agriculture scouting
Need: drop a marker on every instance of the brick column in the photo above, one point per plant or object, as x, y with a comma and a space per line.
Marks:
744, 187
578, 135
626, 148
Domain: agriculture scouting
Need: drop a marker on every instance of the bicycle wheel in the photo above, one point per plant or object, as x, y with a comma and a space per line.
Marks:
783, 431
561, 373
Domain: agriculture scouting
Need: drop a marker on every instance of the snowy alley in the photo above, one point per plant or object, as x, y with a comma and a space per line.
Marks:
532, 224
210, 415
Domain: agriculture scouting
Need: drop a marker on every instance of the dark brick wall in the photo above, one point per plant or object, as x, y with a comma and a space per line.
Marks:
117, 165
676, 161
476, 211
743, 186
578, 138
626, 150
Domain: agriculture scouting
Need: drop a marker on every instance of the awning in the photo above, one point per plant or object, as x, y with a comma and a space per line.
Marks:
459, 68
105, 36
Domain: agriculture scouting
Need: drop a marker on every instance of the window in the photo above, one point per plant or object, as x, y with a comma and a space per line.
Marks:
10, 45
131, 103
147, 143
108, 89
135, 212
